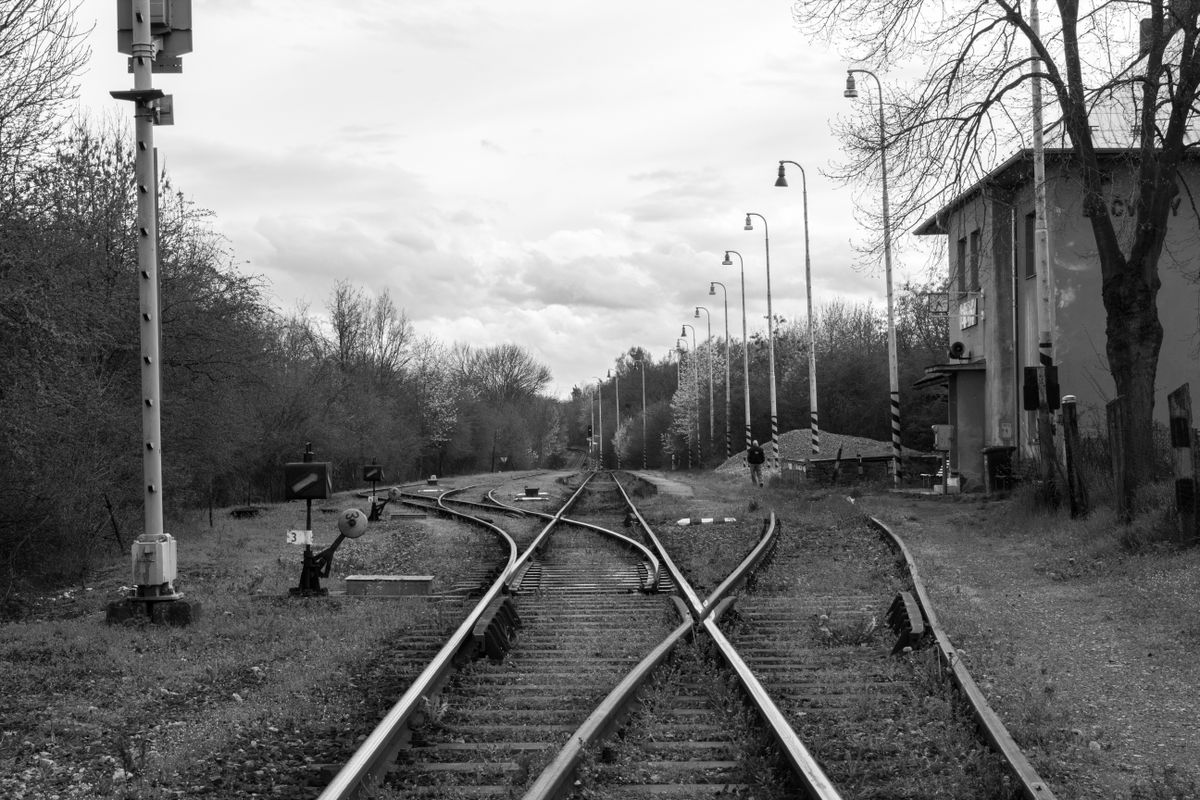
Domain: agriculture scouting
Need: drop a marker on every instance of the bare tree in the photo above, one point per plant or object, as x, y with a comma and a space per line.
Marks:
501, 373
389, 334
972, 104
41, 54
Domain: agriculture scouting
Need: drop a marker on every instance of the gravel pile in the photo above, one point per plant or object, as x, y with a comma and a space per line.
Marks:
795, 444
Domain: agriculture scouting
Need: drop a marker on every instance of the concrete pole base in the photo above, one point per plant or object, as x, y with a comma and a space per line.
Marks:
133, 610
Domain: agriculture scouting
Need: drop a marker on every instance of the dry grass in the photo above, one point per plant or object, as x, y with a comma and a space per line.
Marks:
1081, 632
140, 711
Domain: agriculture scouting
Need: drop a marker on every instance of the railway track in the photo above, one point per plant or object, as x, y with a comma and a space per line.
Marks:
782, 682
815, 631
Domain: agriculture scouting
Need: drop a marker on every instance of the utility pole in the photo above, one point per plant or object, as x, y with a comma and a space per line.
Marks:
1045, 374
154, 41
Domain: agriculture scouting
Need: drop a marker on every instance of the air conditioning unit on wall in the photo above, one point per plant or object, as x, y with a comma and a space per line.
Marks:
958, 350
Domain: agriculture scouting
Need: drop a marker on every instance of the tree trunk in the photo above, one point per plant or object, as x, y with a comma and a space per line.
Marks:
1134, 338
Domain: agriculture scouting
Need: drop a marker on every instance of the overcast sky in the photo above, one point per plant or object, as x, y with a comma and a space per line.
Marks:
562, 175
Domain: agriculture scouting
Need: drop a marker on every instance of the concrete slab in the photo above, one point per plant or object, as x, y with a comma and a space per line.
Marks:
388, 585
664, 484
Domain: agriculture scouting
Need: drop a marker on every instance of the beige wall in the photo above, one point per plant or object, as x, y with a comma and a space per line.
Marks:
1005, 330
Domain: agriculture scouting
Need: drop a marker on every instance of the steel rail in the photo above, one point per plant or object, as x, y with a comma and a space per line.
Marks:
375, 755
815, 783
753, 560
695, 606
557, 778
994, 730
652, 572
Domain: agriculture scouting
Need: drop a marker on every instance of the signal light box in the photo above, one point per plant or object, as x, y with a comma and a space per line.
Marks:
307, 480
372, 473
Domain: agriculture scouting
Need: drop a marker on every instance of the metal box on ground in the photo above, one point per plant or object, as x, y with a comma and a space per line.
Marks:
154, 559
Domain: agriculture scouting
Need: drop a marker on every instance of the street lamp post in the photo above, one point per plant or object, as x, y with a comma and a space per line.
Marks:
814, 430
770, 342
708, 341
745, 341
893, 367
695, 388
679, 348
592, 428
600, 421
641, 362
712, 290
615, 375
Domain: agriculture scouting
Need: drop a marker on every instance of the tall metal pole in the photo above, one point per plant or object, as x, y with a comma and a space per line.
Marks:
679, 347
617, 403
642, 363
893, 365
712, 289
770, 342
592, 438
1041, 241
600, 421
1045, 292
814, 428
708, 343
745, 340
147, 255
695, 390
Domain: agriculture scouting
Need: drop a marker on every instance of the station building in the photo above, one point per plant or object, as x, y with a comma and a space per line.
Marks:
992, 300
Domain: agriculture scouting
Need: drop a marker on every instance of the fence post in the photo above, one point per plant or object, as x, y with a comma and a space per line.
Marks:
1183, 445
1076, 489
1115, 412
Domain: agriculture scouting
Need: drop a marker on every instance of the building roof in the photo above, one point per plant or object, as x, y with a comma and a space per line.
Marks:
940, 373
1016, 171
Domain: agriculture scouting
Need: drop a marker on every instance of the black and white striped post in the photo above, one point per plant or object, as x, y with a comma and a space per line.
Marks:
1183, 449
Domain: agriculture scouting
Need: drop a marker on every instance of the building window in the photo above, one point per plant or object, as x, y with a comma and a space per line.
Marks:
974, 262
1031, 245
960, 266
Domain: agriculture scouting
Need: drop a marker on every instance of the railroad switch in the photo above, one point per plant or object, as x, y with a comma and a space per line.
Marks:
496, 631
906, 618
352, 523
377, 505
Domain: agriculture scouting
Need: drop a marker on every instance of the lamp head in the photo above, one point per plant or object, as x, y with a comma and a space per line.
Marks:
781, 180
749, 226
728, 262
712, 289
683, 330
851, 90
697, 314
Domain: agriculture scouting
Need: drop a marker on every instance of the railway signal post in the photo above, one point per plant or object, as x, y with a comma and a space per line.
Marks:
154, 36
